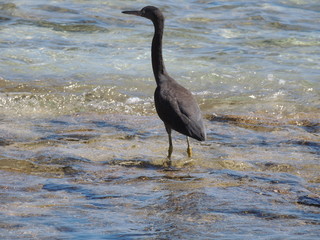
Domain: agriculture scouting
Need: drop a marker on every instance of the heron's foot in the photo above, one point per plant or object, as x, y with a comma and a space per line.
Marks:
167, 163
167, 166
188, 162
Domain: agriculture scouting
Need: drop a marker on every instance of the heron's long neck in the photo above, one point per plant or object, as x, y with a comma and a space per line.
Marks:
156, 52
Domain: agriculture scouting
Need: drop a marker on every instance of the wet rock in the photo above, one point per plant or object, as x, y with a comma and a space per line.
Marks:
4, 142
310, 201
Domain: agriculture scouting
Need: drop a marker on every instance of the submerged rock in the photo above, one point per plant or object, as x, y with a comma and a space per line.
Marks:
310, 201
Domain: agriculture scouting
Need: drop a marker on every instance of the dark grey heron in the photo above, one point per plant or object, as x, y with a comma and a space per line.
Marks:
175, 105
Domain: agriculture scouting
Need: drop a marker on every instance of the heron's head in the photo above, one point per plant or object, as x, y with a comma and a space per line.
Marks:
149, 12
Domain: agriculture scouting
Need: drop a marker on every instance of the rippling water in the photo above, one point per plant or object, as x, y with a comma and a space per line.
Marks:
81, 147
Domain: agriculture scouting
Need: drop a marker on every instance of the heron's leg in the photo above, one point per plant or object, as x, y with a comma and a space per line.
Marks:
170, 144
189, 150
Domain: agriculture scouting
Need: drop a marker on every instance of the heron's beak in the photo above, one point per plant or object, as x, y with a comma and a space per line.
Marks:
137, 13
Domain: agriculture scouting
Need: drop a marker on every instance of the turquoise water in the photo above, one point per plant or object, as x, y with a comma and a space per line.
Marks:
81, 146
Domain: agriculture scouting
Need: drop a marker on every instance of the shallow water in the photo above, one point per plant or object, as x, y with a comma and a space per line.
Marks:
81, 147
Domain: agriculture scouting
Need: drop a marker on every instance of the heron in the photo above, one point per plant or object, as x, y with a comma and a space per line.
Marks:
175, 104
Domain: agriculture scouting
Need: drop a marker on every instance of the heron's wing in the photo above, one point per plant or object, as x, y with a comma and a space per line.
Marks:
191, 115
188, 106
178, 108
